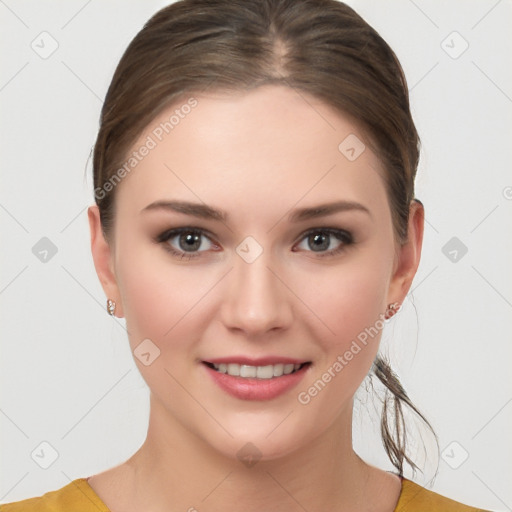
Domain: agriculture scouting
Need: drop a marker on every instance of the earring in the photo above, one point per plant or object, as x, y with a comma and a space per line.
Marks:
392, 309
111, 307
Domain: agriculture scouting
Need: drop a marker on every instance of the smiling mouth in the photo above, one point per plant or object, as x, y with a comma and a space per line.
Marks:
256, 372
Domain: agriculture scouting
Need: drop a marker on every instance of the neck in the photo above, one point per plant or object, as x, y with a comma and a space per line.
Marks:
176, 470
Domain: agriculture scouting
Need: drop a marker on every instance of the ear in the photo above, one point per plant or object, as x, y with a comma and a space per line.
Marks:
408, 255
102, 255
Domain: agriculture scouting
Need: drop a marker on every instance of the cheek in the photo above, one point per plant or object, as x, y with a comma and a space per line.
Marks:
159, 296
349, 298
350, 302
164, 302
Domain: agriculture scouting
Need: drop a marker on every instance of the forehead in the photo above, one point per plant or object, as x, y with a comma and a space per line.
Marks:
272, 145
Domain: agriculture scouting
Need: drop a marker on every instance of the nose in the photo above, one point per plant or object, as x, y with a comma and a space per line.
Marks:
256, 299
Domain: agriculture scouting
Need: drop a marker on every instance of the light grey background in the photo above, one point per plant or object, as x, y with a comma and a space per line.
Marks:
68, 378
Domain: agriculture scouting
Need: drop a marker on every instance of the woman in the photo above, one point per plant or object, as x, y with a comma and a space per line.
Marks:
256, 225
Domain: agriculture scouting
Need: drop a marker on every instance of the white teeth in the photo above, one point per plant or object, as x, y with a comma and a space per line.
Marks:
234, 369
278, 370
288, 368
260, 372
265, 372
248, 371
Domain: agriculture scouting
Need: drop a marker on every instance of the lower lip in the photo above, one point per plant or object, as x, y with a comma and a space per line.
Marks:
256, 389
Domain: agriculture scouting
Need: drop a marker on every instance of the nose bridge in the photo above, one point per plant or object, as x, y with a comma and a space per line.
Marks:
256, 300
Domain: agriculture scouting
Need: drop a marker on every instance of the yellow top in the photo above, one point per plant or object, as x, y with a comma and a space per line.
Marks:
79, 496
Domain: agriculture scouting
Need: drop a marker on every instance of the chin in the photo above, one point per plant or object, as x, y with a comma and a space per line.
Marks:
266, 438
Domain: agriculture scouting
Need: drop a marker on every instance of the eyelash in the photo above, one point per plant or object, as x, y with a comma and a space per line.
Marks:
343, 236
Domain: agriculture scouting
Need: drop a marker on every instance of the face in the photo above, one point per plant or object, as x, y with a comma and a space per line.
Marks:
254, 270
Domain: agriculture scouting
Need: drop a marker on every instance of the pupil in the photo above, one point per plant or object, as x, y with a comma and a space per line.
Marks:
191, 241
322, 239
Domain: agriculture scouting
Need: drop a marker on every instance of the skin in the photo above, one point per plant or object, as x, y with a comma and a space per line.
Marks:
257, 156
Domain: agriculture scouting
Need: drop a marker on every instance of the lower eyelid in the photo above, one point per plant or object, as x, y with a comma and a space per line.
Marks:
182, 255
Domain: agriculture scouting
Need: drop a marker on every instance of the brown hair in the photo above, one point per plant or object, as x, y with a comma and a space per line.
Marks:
320, 47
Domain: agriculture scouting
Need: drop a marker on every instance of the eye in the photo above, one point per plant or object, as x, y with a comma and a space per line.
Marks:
326, 241
185, 243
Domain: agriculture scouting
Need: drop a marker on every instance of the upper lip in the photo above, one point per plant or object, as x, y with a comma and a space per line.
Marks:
258, 361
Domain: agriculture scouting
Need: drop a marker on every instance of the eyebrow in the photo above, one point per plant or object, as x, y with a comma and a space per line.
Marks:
204, 211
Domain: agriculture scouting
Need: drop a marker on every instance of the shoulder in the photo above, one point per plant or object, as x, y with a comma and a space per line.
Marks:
415, 498
77, 496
